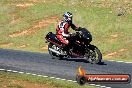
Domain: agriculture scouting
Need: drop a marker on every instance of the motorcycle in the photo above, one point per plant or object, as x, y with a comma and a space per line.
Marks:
79, 47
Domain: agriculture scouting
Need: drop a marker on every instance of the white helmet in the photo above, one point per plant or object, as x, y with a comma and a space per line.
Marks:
67, 17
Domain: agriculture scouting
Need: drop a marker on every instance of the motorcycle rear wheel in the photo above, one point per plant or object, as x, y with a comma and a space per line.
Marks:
52, 54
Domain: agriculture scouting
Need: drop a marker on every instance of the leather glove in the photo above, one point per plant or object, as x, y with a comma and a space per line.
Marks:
79, 28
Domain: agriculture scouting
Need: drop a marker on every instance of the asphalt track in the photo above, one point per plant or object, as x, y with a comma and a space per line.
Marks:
41, 63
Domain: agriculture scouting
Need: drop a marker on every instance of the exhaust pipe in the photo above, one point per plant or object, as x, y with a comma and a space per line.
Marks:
57, 52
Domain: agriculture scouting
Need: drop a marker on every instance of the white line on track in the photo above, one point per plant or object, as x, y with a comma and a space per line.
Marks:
70, 80
97, 85
103, 86
50, 77
15, 71
121, 61
28, 73
45, 76
39, 75
74, 81
92, 84
9, 70
21, 72
34, 74
57, 78
2, 69
129, 62
63, 79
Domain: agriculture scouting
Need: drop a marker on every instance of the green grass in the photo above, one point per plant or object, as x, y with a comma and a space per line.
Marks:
99, 17
9, 77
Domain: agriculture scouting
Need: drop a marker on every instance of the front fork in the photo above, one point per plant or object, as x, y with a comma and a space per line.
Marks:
87, 51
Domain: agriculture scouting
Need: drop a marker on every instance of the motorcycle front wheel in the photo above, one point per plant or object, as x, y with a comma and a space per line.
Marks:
93, 55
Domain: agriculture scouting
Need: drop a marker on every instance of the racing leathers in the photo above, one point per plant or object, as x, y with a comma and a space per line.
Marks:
62, 31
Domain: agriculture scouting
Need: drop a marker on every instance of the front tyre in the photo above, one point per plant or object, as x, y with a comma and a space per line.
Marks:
93, 55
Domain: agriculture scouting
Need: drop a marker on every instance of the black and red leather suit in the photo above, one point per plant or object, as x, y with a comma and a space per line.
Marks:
62, 31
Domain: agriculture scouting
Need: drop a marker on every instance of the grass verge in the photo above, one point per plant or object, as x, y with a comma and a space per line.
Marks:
15, 80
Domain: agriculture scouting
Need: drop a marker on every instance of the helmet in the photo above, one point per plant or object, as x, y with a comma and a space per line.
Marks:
67, 17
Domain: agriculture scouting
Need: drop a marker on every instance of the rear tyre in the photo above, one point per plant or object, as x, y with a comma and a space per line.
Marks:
94, 55
52, 54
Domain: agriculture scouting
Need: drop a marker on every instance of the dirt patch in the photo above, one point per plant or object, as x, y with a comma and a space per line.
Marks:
114, 35
34, 0
105, 3
23, 45
6, 44
122, 50
35, 28
111, 54
44, 47
15, 18
24, 5
116, 53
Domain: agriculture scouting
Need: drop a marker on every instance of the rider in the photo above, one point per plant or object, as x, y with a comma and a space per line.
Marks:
63, 26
